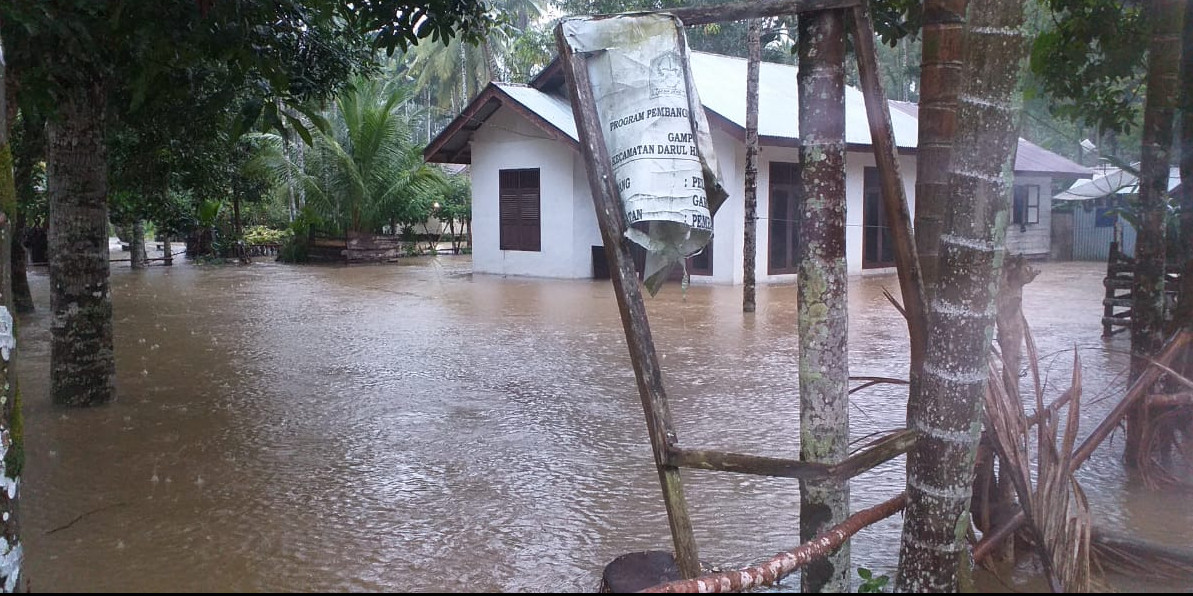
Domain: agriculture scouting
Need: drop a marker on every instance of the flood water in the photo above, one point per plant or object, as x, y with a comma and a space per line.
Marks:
415, 427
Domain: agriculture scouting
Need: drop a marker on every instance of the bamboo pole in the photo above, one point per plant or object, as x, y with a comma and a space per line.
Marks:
784, 563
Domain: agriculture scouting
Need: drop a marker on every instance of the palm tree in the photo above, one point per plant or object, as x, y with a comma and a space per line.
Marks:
364, 170
455, 72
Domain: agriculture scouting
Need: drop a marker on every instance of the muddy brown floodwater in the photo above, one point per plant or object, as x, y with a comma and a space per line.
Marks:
414, 427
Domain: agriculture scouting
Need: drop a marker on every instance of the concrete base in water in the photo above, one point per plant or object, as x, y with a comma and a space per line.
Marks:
634, 572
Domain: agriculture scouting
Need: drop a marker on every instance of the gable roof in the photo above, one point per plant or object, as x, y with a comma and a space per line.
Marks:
549, 112
721, 82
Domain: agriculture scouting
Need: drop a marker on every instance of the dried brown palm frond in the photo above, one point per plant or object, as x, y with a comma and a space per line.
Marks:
1057, 512
1061, 508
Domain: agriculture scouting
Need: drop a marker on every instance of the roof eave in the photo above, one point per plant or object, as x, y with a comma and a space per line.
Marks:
438, 151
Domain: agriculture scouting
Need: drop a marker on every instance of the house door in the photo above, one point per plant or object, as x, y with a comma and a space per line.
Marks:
878, 247
783, 218
700, 264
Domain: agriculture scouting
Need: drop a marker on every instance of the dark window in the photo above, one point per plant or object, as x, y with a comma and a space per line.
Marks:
1025, 208
878, 245
698, 264
701, 262
520, 212
783, 218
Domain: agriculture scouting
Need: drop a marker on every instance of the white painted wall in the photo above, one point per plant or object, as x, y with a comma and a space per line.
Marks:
1033, 240
855, 182
570, 229
730, 224
509, 141
586, 231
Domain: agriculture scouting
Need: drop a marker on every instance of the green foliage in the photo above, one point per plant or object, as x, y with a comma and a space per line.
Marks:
871, 584
266, 235
363, 173
455, 203
295, 248
1091, 61
28, 148
207, 211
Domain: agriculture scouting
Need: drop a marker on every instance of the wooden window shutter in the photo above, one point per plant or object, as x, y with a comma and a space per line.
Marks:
531, 211
509, 209
519, 210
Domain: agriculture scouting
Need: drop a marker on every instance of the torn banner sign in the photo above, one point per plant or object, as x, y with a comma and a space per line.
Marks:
656, 133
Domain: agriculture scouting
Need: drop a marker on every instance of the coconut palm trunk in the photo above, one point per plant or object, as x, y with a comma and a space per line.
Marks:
948, 412
82, 364
821, 302
11, 441
1147, 288
940, 67
750, 236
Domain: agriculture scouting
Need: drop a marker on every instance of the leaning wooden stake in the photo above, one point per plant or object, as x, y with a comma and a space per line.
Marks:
894, 199
784, 563
611, 218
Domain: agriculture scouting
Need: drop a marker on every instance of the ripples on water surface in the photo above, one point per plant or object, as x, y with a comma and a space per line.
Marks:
413, 427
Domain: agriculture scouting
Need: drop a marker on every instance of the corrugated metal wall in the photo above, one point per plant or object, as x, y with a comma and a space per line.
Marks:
1093, 230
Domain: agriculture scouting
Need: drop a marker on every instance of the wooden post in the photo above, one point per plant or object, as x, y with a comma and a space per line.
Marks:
611, 218
1111, 291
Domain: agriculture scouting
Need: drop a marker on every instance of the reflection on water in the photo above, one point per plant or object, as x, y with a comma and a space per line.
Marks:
413, 427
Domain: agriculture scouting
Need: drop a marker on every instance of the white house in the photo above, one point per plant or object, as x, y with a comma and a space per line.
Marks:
533, 212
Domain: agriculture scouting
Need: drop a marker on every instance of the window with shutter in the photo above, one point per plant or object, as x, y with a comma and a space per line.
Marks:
520, 210
1025, 206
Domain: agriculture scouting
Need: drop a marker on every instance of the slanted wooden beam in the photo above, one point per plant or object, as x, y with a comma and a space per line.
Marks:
611, 218
894, 199
741, 11
881, 451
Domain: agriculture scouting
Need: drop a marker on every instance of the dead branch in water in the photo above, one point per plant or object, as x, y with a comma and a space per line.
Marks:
783, 564
1132, 555
1137, 391
83, 515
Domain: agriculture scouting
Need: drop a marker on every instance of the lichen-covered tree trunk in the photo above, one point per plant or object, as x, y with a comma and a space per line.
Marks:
948, 413
1147, 288
22, 171
750, 237
82, 365
822, 296
22, 295
940, 77
11, 441
138, 257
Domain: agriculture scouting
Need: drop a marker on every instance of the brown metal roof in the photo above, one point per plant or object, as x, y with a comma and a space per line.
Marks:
1029, 157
